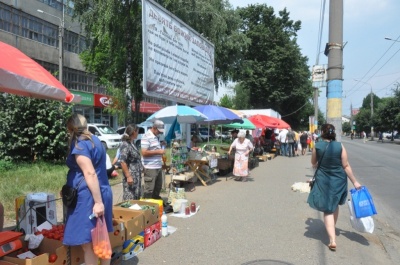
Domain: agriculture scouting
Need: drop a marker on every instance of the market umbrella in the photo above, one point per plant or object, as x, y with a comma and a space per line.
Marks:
182, 114
22, 76
246, 125
218, 115
262, 121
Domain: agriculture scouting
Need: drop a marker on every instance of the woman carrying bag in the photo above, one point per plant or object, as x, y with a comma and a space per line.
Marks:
330, 186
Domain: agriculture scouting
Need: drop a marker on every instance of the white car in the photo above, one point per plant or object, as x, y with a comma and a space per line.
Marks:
107, 135
143, 128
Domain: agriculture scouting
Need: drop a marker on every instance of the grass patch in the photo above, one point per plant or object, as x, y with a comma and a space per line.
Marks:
20, 179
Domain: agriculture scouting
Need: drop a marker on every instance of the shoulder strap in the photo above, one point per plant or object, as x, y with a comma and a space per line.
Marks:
320, 160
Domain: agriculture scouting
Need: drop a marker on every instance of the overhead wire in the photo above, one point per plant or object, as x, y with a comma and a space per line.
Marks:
360, 81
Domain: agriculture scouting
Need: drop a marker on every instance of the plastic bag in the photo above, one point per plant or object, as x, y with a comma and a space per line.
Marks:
363, 225
101, 240
362, 202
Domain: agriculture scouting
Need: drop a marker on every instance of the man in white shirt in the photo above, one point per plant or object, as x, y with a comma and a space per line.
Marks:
283, 140
152, 153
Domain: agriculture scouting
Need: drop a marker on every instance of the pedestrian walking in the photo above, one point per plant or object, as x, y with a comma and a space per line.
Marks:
330, 187
380, 137
243, 147
364, 135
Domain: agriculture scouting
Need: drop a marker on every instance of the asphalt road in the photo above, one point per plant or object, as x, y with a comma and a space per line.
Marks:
264, 222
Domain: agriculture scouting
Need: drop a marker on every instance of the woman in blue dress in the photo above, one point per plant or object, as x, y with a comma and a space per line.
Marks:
330, 187
87, 172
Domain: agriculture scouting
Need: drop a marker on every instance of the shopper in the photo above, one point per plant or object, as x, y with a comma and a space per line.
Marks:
243, 148
330, 187
86, 161
152, 153
131, 164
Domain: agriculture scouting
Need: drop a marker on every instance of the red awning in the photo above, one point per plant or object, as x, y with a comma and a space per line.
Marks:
147, 107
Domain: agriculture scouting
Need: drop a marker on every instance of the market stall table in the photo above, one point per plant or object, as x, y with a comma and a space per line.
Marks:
197, 167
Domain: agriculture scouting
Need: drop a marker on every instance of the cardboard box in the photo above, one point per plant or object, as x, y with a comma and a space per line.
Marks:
47, 247
152, 234
150, 217
159, 202
118, 236
3, 262
35, 209
133, 221
132, 247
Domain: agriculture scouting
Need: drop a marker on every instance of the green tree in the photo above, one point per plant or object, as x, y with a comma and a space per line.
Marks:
226, 101
32, 129
273, 71
346, 127
115, 54
388, 112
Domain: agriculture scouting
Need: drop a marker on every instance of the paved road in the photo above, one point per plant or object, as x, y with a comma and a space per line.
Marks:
264, 222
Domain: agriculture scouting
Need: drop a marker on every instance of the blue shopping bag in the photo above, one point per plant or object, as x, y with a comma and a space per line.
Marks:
362, 201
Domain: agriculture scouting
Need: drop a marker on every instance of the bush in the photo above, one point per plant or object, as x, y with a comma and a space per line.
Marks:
32, 129
5, 165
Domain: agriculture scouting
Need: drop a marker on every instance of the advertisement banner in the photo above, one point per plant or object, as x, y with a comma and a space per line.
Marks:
102, 101
178, 63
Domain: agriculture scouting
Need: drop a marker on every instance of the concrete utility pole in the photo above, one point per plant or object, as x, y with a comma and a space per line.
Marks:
334, 51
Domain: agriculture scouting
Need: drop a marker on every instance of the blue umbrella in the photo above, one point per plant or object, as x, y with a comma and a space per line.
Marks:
175, 128
218, 115
182, 114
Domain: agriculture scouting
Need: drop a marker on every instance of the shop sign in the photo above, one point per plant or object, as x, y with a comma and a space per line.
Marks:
102, 101
87, 98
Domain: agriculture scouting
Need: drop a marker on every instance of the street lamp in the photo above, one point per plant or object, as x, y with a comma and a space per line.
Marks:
60, 43
372, 107
387, 38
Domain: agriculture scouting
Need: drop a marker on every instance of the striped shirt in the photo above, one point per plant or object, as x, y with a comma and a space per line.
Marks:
150, 142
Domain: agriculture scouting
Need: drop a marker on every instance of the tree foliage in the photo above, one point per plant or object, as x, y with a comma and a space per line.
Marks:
388, 112
115, 54
273, 71
32, 129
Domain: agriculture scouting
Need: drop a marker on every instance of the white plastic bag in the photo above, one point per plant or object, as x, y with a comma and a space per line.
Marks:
364, 224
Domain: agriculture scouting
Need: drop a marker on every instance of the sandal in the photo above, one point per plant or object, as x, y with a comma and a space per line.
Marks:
238, 179
244, 179
332, 246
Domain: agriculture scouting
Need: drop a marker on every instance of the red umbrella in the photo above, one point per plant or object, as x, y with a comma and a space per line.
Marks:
22, 76
262, 121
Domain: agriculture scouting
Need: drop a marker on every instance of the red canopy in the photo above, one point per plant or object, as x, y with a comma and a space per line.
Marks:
147, 107
22, 76
262, 121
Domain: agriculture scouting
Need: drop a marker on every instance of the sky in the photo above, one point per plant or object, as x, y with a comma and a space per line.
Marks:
367, 56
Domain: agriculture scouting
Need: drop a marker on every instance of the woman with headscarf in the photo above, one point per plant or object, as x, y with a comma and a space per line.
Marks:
330, 186
131, 164
243, 148
86, 161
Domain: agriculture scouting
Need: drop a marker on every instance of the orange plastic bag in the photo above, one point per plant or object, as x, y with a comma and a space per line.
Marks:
100, 239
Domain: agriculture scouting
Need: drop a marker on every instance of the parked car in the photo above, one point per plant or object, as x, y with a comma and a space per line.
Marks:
388, 135
222, 136
205, 136
107, 135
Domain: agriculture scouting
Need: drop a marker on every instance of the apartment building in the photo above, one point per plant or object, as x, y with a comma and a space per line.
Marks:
33, 26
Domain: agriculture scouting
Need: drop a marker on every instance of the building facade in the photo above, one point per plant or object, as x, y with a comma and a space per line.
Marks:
33, 26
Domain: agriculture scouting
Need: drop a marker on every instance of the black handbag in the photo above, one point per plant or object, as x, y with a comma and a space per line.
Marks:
70, 195
312, 181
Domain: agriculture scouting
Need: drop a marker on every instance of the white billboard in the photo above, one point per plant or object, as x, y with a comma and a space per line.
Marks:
178, 63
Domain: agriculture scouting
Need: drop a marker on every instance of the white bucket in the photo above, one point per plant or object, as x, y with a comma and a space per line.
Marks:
180, 205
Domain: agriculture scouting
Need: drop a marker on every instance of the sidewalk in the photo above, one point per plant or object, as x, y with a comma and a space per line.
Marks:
262, 221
